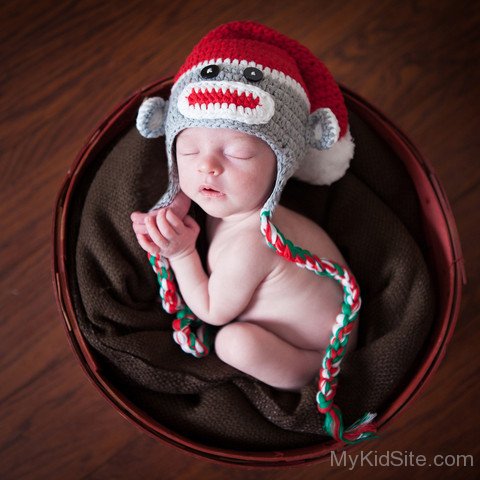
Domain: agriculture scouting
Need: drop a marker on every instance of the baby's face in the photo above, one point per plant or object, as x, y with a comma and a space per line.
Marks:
224, 171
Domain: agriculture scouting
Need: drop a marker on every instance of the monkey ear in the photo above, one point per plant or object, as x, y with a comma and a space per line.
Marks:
328, 156
324, 129
151, 117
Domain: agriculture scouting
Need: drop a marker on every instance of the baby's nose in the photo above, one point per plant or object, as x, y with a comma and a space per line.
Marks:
210, 166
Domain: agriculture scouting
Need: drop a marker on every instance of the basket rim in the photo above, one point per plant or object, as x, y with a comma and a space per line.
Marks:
106, 130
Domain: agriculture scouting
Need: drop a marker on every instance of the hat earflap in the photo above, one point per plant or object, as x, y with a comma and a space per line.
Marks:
327, 157
151, 117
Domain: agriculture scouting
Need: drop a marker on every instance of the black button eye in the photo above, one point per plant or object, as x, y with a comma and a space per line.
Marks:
253, 74
210, 71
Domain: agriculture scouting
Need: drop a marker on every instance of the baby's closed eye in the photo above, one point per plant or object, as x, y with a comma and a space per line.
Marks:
239, 154
187, 152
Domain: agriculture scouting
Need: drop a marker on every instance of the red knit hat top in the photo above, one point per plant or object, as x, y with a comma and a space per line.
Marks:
257, 43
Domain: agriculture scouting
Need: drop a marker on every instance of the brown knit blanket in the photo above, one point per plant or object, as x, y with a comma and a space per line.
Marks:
373, 216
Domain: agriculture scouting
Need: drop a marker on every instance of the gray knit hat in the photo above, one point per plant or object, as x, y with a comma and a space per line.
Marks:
248, 77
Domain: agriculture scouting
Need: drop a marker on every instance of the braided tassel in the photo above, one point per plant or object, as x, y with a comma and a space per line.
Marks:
193, 335
363, 428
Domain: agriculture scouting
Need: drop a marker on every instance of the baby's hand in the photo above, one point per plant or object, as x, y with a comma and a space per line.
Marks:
180, 205
143, 238
173, 237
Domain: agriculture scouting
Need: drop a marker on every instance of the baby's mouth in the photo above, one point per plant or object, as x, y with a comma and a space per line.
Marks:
208, 191
221, 99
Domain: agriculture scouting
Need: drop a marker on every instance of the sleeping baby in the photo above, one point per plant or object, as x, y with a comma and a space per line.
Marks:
284, 313
249, 109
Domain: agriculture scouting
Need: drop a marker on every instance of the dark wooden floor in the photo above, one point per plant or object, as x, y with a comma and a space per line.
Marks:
65, 65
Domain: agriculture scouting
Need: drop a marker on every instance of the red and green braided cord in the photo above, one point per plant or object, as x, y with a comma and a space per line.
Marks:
195, 337
327, 384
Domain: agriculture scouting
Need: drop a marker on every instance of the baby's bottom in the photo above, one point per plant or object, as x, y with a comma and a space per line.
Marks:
260, 353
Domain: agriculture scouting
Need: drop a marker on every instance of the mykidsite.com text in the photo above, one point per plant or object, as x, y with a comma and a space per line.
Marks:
397, 458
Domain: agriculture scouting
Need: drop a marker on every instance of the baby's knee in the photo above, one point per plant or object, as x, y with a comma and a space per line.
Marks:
235, 343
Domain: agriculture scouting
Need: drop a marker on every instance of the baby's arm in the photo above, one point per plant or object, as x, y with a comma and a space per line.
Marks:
228, 291
224, 295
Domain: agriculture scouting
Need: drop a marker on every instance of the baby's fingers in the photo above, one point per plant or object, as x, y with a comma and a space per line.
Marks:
147, 244
139, 228
154, 233
174, 221
166, 229
139, 217
191, 223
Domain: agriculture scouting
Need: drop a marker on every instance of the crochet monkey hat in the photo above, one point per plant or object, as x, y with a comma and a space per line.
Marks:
248, 77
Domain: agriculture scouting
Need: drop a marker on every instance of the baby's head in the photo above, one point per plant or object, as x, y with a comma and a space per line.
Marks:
249, 79
226, 172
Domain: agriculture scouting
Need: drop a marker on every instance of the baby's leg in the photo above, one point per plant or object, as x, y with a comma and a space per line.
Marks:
260, 353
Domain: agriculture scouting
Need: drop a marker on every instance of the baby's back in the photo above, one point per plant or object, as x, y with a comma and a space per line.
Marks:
294, 303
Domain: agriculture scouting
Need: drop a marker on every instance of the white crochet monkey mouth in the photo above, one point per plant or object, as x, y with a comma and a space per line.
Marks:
231, 100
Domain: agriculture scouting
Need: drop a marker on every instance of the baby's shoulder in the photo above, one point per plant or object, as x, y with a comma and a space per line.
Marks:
248, 240
294, 225
291, 218
306, 233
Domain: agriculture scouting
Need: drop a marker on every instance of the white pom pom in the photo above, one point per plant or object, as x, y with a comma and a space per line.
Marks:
323, 167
